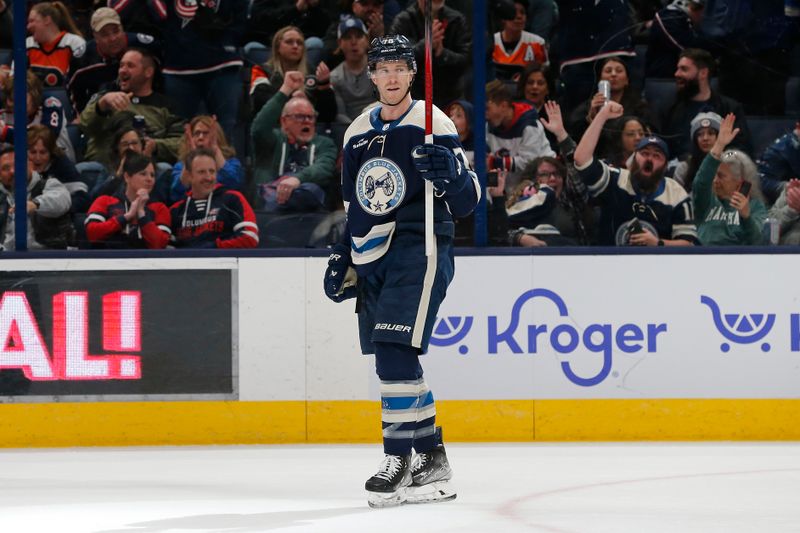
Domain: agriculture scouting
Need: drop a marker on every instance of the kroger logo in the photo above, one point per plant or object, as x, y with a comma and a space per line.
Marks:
564, 338
740, 328
750, 328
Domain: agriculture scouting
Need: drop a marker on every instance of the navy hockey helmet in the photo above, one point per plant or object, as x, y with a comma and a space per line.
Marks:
391, 48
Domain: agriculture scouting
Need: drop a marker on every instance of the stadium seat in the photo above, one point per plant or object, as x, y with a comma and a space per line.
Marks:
63, 97
329, 231
78, 140
81, 241
659, 93
92, 173
256, 53
294, 230
793, 97
334, 130
764, 131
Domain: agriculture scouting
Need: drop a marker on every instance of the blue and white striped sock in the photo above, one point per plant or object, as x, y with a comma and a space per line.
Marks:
408, 415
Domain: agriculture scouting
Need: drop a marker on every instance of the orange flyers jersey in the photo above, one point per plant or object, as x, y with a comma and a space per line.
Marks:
530, 48
257, 76
51, 61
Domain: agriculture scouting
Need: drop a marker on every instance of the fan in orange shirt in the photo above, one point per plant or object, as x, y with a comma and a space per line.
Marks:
514, 48
54, 40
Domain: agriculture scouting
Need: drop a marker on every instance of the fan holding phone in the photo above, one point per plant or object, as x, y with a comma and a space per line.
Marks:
729, 205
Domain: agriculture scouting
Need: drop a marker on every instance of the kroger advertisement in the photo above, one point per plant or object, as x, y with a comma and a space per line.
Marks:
619, 327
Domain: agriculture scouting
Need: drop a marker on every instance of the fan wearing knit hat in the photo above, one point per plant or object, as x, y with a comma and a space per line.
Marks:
703, 129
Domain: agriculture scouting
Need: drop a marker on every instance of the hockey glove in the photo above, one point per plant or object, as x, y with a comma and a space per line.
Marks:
441, 166
340, 277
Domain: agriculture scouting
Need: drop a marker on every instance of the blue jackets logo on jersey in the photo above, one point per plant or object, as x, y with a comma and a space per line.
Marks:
624, 231
380, 186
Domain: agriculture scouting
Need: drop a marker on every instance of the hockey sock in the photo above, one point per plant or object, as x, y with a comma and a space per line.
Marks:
408, 416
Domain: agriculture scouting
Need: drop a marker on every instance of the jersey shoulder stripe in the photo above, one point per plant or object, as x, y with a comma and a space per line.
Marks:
359, 126
673, 193
442, 125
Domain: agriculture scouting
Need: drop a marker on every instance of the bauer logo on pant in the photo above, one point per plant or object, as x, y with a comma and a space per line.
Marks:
380, 186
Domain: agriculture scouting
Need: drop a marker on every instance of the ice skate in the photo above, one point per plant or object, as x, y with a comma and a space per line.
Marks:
387, 488
431, 474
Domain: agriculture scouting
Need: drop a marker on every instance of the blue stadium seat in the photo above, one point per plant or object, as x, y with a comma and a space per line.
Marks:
660, 93
793, 97
764, 131
63, 97
78, 140
256, 53
92, 174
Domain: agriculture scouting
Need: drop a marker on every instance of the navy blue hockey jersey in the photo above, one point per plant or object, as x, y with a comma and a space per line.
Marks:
382, 191
667, 212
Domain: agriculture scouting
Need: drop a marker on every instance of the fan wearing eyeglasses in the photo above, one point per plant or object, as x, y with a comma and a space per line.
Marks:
294, 166
204, 131
547, 210
727, 213
639, 205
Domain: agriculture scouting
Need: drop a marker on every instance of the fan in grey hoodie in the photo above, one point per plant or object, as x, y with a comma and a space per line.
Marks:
52, 202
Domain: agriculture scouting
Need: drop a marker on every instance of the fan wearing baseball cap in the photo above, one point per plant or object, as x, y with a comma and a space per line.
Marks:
639, 205
350, 79
100, 64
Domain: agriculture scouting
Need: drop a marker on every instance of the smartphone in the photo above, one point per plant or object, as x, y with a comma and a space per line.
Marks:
491, 178
745, 187
636, 227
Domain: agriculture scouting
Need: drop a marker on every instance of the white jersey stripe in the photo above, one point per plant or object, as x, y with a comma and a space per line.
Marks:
425, 297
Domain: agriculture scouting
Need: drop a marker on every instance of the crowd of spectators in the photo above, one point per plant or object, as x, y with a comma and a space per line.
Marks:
187, 123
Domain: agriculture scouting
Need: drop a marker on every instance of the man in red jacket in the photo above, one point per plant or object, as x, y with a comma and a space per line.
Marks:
211, 216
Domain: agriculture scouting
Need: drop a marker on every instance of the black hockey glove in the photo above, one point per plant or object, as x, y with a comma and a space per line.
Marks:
441, 166
340, 277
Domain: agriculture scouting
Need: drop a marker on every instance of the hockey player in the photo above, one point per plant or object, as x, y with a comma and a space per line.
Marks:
385, 165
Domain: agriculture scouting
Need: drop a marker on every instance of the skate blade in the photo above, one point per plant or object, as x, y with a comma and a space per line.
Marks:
438, 491
379, 500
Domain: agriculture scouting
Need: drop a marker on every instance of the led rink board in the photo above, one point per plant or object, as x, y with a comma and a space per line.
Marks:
126, 334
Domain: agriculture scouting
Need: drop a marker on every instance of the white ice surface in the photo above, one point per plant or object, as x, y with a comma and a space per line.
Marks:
555, 488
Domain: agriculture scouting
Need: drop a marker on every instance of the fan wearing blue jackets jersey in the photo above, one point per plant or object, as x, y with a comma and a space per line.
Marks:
382, 260
639, 206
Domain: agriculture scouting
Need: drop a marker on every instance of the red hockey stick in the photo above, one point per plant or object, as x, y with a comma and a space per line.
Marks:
428, 124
